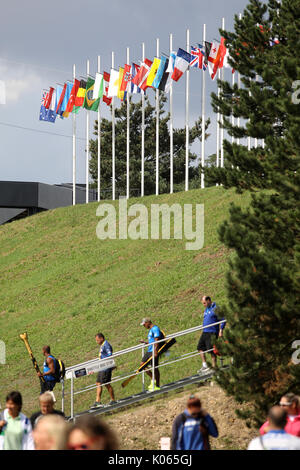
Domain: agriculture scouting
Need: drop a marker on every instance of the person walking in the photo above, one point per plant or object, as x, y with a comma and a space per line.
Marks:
49, 368
276, 438
104, 376
15, 427
46, 408
192, 428
290, 403
154, 335
210, 333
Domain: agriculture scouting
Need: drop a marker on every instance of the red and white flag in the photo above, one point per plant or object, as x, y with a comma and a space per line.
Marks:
140, 80
106, 79
127, 77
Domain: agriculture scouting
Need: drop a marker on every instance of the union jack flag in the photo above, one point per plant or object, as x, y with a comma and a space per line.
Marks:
197, 57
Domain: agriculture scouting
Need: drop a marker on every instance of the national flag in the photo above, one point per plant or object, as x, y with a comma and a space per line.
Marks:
89, 103
165, 83
141, 77
204, 60
160, 71
132, 88
120, 93
46, 115
98, 86
113, 83
2, 92
73, 95
182, 61
48, 97
126, 79
216, 57
197, 57
106, 79
207, 51
60, 101
79, 100
153, 71
66, 99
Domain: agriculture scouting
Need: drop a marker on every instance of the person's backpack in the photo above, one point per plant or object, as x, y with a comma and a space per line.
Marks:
60, 370
202, 427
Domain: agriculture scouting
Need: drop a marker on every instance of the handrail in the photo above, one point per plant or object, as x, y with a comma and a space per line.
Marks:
128, 350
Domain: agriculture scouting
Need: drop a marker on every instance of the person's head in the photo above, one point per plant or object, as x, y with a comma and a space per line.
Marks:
277, 417
146, 322
51, 433
100, 338
193, 406
46, 403
14, 403
206, 301
290, 403
46, 350
90, 433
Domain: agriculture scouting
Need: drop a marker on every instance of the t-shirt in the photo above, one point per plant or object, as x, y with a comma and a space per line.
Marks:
154, 332
275, 440
13, 435
36, 416
105, 350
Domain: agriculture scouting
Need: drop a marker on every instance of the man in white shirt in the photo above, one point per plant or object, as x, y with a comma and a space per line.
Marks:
276, 438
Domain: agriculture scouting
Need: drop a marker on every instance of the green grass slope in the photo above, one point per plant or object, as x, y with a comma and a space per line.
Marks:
62, 285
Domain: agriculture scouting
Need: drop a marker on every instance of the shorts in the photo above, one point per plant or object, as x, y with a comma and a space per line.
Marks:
47, 386
205, 342
146, 357
104, 376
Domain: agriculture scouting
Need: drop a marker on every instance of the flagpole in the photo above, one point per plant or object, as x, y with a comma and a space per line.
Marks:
218, 126
232, 116
187, 87
87, 144
143, 131
222, 117
113, 136
255, 140
171, 124
239, 86
203, 115
99, 146
157, 128
128, 138
74, 147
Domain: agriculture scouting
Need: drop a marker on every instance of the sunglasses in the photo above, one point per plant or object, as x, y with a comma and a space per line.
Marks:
285, 404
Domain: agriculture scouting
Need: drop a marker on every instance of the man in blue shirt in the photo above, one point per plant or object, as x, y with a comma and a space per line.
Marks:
192, 428
154, 335
104, 376
210, 333
48, 371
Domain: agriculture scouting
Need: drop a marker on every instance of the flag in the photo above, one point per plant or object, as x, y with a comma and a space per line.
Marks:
120, 93
106, 79
182, 61
48, 98
46, 115
165, 83
160, 71
79, 100
113, 83
153, 71
204, 60
216, 54
132, 88
89, 103
207, 52
60, 100
98, 86
141, 77
73, 95
2, 92
197, 57
66, 99
126, 78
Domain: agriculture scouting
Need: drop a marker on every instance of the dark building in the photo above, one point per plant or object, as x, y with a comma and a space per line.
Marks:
21, 199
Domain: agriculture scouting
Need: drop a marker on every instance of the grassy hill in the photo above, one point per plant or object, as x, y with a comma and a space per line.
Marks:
62, 285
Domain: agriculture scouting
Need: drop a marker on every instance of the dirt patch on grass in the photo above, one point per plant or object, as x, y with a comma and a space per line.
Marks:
142, 427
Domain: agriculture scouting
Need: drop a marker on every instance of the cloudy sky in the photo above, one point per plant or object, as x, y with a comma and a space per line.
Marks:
40, 42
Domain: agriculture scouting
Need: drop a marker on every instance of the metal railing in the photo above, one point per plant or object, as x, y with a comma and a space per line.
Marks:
70, 371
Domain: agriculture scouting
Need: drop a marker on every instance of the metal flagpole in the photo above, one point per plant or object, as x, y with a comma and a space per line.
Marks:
187, 86
157, 128
239, 86
128, 138
113, 136
87, 144
74, 147
171, 124
232, 116
218, 127
203, 114
255, 140
222, 117
99, 142
143, 131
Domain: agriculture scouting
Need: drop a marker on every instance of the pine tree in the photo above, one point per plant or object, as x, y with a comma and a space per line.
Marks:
263, 281
150, 150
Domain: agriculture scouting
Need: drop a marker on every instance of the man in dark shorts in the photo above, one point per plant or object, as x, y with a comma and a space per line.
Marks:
154, 335
48, 371
210, 333
104, 376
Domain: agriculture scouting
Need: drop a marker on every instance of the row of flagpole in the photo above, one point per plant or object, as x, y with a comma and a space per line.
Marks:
219, 137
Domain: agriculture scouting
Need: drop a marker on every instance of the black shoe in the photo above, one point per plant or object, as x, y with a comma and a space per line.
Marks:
97, 404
